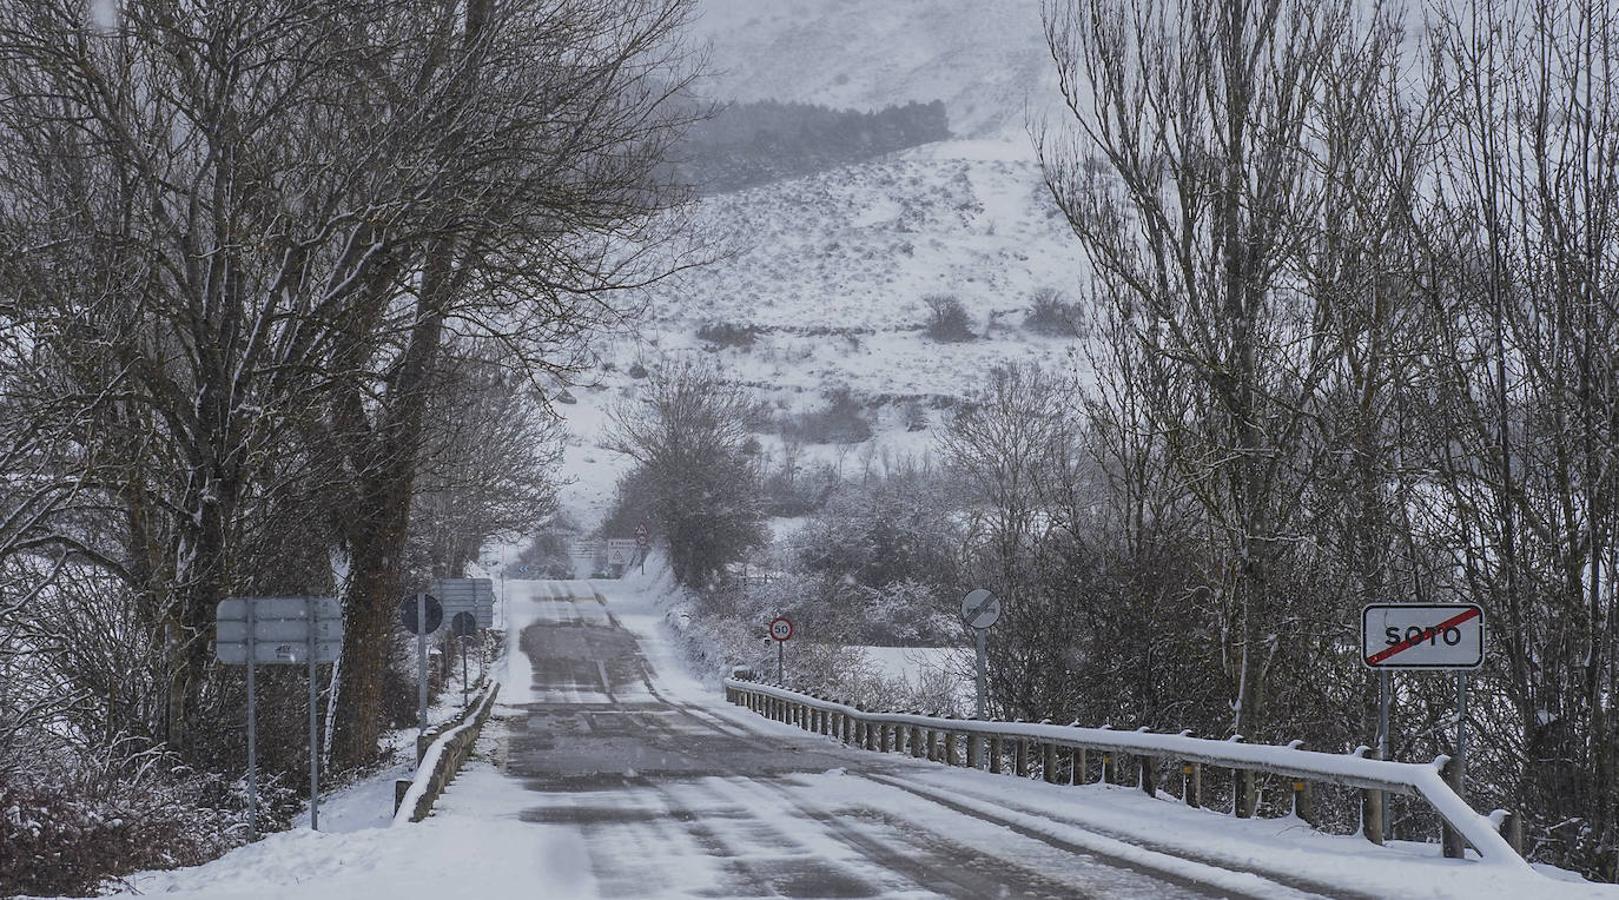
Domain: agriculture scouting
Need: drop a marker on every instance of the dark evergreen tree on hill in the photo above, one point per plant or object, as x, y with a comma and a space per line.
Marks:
747, 144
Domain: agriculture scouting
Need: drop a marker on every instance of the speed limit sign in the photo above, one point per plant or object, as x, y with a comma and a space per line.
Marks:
781, 629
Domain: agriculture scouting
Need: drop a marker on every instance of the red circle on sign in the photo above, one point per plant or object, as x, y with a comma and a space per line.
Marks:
781, 628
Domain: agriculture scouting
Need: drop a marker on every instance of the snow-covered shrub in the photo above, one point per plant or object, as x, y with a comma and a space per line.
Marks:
948, 321
728, 334
73, 831
1052, 313
843, 420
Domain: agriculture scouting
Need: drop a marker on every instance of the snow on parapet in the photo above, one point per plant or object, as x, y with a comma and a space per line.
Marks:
1352, 769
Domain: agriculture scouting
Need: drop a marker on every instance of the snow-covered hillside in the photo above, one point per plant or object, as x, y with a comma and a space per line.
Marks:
827, 275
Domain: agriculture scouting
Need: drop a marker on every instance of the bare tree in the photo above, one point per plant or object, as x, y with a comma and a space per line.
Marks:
687, 435
1191, 183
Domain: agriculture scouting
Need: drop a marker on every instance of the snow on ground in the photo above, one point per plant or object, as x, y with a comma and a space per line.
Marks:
476, 845
910, 663
485, 841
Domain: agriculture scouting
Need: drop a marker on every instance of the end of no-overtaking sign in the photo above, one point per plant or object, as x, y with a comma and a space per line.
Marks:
1422, 636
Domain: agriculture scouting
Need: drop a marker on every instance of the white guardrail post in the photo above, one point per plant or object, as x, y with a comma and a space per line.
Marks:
920, 735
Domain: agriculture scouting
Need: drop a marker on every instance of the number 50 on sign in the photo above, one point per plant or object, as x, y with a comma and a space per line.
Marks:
1422, 636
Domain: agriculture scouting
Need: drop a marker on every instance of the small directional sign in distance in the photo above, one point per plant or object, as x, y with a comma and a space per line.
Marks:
1422, 636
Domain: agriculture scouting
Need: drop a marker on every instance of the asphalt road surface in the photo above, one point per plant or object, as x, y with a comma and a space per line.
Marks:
687, 797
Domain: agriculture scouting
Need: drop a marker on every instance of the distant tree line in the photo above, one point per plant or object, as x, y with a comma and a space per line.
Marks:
747, 144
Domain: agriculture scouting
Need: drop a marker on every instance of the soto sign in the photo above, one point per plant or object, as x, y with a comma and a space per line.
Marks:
1422, 636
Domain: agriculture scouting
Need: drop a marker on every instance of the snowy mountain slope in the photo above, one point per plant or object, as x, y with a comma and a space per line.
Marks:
826, 276
984, 60
829, 275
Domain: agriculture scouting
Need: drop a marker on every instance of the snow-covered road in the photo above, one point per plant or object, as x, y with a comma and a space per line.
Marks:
608, 771
673, 793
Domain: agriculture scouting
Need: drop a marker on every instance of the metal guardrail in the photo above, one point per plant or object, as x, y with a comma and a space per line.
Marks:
937, 739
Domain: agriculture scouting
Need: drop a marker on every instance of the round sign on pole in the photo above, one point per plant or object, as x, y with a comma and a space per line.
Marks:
407, 614
464, 624
980, 609
781, 629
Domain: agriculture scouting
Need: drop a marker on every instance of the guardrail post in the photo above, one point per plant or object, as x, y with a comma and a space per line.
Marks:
1371, 803
1246, 793
974, 739
1147, 775
1510, 825
848, 727
1020, 756
949, 748
995, 754
1107, 767
917, 748
1048, 762
1303, 802
1079, 765
934, 752
1303, 796
1454, 846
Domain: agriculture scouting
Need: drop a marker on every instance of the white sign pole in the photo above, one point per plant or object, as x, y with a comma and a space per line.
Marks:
421, 666
252, 730
314, 728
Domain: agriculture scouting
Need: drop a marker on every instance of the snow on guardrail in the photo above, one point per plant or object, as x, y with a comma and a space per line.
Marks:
1352, 770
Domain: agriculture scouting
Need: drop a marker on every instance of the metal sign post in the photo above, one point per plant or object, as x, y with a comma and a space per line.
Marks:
421, 665
314, 726
1384, 698
252, 730
1461, 735
781, 631
980, 609
1433, 636
277, 630
421, 616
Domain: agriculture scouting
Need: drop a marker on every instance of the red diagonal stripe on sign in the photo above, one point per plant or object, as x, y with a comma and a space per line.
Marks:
1408, 643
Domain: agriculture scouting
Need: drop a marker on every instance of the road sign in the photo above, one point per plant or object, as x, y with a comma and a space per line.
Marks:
980, 609
434, 614
278, 630
643, 536
620, 551
473, 595
463, 624
781, 629
1422, 636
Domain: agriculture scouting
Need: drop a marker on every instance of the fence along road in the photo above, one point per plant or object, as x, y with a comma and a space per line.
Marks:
681, 798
